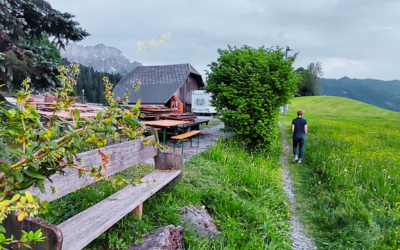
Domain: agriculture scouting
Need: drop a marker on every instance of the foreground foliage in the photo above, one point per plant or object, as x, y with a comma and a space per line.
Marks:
248, 87
242, 192
41, 149
350, 183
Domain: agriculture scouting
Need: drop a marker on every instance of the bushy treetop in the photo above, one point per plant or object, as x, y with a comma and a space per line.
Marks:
248, 86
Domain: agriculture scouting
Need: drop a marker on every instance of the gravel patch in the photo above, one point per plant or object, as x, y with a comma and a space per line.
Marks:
208, 137
300, 240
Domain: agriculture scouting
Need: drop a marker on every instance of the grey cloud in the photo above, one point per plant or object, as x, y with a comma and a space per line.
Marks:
356, 38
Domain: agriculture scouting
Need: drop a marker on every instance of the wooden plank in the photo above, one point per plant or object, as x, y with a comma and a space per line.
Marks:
54, 238
122, 156
186, 135
86, 226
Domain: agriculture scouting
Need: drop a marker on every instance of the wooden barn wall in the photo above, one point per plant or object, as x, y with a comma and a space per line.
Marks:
190, 84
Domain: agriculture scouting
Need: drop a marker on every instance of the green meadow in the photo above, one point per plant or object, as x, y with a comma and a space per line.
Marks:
348, 185
241, 190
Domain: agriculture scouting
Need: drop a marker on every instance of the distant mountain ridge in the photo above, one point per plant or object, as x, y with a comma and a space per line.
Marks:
383, 94
102, 58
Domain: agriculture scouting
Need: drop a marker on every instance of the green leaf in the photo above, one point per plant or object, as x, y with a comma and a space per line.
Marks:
40, 185
54, 131
5, 169
132, 122
26, 184
99, 113
34, 175
8, 114
18, 175
76, 115
138, 103
15, 151
2, 229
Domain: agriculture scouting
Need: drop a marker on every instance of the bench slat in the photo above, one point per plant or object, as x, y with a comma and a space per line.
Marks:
186, 135
86, 226
122, 156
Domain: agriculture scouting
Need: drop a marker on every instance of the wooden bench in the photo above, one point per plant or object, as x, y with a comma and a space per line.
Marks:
78, 231
184, 136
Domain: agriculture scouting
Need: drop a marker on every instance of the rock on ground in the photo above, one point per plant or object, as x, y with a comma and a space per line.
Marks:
163, 238
198, 220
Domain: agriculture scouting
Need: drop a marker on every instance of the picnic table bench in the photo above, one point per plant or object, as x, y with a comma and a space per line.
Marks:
78, 231
184, 136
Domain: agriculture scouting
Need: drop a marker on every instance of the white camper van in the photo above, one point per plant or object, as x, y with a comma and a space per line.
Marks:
201, 102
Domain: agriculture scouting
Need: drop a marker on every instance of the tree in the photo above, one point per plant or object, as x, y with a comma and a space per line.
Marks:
25, 50
248, 87
310, 84
304, 85
314, 74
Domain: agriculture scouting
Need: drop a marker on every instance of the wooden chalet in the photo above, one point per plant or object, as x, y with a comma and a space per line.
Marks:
168, 85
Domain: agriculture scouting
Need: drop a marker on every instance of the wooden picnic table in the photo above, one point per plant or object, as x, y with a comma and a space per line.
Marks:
164, 124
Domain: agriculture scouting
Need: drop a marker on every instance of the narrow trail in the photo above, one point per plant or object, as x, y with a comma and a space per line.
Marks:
300, 240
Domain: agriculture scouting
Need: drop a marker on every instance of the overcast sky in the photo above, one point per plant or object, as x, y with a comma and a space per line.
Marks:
354, 38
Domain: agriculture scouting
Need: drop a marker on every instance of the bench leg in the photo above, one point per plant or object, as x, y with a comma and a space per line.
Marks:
183, 145
165, 135
174, 146
191, 141
138, 211
198, 140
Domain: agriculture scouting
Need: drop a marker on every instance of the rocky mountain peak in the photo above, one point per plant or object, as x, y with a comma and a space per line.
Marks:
100, 57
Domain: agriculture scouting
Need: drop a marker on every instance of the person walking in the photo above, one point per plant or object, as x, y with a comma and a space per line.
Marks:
299, 132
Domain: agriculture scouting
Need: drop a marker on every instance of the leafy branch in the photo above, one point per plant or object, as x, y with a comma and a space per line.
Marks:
42, 149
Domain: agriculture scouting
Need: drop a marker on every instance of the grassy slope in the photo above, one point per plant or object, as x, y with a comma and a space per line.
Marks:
348, 187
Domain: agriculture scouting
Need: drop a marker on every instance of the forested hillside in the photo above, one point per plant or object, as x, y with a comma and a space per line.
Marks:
383, 94
92, 82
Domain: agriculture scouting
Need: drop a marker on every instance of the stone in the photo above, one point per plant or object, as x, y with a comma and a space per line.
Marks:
163, 238
198, 220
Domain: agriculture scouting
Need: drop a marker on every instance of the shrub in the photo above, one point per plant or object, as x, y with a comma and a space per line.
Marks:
248, 87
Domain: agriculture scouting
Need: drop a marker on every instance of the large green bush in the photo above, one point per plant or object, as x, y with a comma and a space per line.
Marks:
248, 86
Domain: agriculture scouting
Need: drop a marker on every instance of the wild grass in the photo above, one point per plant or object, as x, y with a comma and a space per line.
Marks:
348, 184
241, 190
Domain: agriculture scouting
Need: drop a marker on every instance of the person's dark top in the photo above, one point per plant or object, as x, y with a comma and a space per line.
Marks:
299, 123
